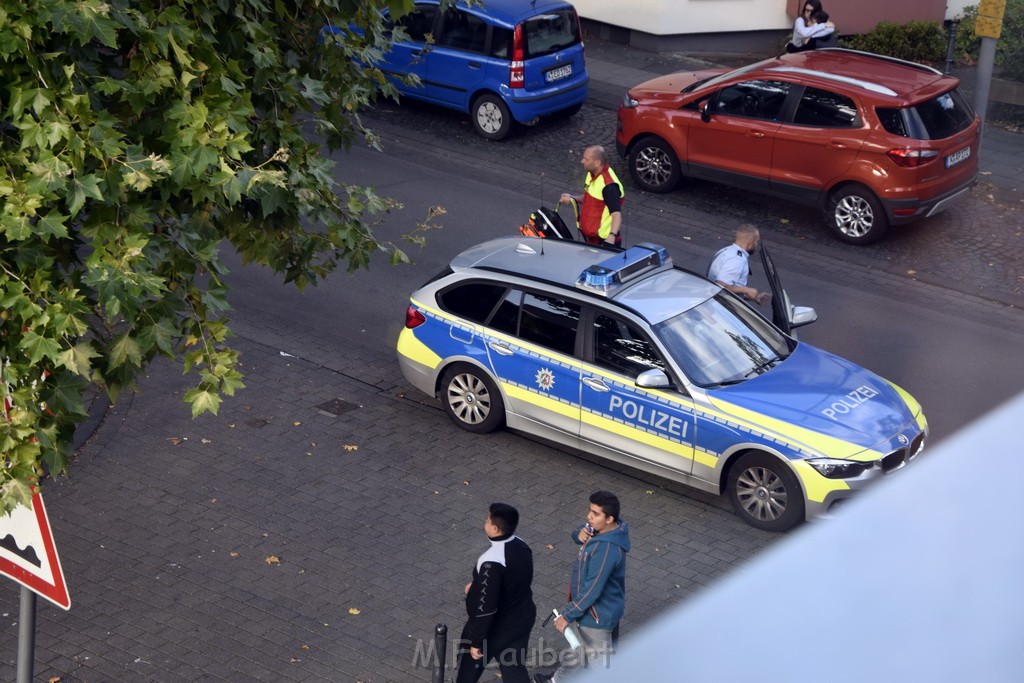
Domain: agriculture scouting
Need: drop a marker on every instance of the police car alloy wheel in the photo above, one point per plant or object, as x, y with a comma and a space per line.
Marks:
765, 493
471, 399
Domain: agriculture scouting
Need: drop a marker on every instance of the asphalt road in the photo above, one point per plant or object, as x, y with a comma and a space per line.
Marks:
949, 349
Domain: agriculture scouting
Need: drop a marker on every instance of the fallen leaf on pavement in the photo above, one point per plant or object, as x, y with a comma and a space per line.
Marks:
55, 679
174, 441
353, 610
205, 440
294, 660
273, 559
296, 424
350, 447
550, 547
304, 647
233, 554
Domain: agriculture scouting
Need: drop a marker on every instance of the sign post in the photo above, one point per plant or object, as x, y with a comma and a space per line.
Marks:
29, 556
988, 26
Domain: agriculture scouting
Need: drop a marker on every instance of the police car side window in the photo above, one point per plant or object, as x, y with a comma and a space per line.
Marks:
550, 322
506, 317
620, 347
473, 301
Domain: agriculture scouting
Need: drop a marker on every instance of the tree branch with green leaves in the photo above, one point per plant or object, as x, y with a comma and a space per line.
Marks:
136, 138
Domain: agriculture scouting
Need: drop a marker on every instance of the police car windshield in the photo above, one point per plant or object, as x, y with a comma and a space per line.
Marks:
722, 342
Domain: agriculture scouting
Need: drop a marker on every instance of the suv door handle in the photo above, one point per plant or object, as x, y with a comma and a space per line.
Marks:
835, 145
501, 349
595, 384
755, 134
474, 65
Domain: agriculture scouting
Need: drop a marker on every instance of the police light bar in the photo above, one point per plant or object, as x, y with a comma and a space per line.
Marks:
619, 269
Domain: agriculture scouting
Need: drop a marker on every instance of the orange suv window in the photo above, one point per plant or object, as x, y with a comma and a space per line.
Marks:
826, 109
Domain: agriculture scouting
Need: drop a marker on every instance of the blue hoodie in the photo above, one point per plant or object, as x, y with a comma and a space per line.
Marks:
597, 589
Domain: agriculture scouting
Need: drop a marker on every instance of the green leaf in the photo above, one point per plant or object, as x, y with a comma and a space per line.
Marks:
202, 401
77, 359
51, 225
80, 189
65, 396
38, 347
160, 334
15, 492
124, 351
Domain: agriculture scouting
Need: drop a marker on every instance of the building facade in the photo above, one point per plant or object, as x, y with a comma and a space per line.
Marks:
740, 25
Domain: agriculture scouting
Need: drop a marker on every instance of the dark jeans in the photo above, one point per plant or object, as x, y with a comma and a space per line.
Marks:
510, 651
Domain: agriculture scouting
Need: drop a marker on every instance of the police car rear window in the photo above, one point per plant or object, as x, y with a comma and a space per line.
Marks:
472, 301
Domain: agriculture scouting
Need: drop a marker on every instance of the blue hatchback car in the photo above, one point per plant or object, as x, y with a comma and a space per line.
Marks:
503, 61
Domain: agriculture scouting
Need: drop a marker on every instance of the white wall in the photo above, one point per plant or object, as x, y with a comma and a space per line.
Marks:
955, 8
670, 17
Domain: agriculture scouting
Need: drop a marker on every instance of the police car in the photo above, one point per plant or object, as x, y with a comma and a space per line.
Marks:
622, 355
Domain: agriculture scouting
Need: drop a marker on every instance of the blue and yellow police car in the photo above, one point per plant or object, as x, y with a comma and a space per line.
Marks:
625, 356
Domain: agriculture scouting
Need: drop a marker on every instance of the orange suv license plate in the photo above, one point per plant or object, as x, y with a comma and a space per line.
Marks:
956, 157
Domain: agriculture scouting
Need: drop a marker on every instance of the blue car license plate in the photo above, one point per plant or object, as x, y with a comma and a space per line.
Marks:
558, 74
956, 157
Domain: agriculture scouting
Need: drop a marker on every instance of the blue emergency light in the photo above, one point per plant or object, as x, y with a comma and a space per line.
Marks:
619, 269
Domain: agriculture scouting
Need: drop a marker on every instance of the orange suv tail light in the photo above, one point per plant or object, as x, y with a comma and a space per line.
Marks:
413, 318
911, 158
517, 71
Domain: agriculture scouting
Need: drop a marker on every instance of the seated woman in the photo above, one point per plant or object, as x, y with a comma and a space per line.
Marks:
811, 28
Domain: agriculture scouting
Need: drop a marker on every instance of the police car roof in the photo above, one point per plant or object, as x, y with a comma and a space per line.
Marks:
656, 296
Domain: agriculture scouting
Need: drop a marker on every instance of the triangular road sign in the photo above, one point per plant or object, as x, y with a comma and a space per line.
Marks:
28, 555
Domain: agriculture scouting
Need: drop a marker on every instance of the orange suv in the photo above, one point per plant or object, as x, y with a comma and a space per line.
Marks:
871, 140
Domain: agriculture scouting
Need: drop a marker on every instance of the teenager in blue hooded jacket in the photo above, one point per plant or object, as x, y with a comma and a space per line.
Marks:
597, 587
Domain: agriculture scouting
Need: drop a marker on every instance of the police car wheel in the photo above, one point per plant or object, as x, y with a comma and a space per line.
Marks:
856, 215
765, 493
471, 399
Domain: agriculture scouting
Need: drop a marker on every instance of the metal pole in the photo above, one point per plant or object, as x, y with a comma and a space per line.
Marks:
27, 636
441, 648
951, 45
986, 62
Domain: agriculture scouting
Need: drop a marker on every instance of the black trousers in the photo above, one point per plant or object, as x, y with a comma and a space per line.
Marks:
509, 650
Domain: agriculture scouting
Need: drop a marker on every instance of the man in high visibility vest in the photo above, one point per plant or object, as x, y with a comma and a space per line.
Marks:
600, 216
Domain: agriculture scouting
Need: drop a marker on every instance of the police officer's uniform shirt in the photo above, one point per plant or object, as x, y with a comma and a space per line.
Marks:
731, 265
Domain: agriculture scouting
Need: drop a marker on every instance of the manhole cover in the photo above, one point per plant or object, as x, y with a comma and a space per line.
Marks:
336, 407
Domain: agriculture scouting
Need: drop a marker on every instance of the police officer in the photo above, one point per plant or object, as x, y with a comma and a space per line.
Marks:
601, 202
731, 265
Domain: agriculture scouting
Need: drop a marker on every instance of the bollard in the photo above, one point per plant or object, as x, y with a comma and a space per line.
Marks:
951, 44
441, 648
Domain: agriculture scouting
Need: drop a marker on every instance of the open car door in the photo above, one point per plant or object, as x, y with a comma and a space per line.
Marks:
785, 315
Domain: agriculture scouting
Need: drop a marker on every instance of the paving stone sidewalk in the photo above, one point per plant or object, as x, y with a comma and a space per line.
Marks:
278, 542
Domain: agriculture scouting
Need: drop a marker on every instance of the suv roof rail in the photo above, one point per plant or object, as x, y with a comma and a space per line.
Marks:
866, 85
886, 58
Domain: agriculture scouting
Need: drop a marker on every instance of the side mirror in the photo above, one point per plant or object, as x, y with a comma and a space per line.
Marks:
802, 315
705, 111
653, 379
